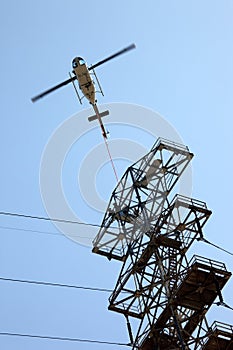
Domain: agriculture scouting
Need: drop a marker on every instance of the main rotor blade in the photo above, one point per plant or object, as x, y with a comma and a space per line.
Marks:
128, 48
34, 99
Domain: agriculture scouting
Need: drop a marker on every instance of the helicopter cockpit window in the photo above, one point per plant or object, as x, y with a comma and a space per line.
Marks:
81, 61
74, 64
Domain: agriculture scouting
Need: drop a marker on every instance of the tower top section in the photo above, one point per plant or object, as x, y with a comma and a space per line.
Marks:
140, 196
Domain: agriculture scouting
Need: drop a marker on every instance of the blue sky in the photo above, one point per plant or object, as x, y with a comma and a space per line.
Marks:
182, 68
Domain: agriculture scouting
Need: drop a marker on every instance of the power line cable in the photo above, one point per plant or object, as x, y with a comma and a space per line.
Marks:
56, 284
215, 245
222, 303
28, 230
89, 224
48, 219
43, 232
26, 216
62, 338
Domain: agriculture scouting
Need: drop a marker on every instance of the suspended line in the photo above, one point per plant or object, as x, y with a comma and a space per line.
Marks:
62, 338
47, 219
43, 232
111, 160
215, 245
56, 284
220, 303
28, 230
88, 224
26, 216
51, 219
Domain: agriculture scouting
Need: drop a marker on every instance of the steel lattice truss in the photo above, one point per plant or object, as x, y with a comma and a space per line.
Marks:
157, 257
181, 322
149, 285
140, 197
166, 296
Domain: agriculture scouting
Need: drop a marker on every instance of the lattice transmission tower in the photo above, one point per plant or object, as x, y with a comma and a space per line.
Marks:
163, 295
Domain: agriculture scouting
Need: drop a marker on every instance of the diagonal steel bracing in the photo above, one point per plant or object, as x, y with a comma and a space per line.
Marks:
158, 290
182, 319
140, 278
139, 198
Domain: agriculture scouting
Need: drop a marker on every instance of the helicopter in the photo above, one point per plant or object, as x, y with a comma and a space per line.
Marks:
82, 73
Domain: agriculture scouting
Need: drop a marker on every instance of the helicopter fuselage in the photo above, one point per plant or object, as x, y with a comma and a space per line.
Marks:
86, 84
82, 74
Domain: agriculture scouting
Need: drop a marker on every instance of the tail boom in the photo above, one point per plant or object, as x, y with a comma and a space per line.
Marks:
98, 116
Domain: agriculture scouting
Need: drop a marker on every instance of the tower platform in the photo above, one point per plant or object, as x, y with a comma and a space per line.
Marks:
199, 287
220, 337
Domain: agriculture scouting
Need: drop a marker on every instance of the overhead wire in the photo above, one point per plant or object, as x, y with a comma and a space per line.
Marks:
73, 286
96, 289
43, 232
42, 218
222, 303
215, 245
48, 337
48, 219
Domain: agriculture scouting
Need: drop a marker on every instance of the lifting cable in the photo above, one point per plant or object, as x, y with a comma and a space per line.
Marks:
111, 160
